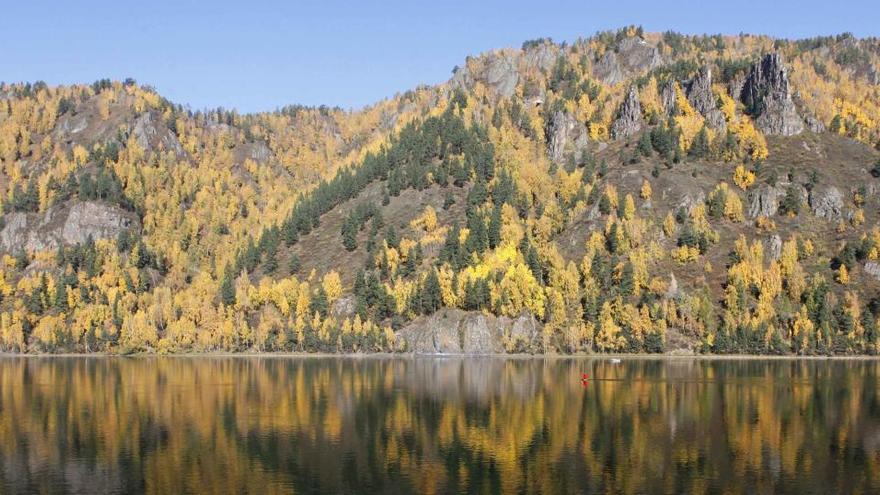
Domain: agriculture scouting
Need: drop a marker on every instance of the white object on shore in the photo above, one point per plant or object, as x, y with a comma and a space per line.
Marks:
615, 361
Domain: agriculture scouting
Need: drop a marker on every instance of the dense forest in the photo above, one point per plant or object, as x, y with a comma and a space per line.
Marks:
627, 192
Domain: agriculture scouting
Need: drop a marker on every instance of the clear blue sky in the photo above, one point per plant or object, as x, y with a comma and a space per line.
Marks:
260, 55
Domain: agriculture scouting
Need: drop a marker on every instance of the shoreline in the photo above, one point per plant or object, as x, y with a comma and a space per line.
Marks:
409, 355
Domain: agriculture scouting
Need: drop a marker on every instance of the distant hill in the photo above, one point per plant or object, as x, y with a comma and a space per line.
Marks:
628, 192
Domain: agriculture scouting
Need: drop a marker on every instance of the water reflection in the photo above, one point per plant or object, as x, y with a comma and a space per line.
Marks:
338, 425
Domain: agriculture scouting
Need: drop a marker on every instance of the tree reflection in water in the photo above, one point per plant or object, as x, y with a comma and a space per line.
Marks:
437, 425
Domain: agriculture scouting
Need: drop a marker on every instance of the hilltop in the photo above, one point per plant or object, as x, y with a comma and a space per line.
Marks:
628, 192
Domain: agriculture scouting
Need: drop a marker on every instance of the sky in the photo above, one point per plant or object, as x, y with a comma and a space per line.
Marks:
262, 55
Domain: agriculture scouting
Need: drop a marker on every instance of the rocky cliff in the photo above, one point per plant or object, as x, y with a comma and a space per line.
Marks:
63, 224
630, 56
629, 117
767, 96
699, 95
452, 331
567, 137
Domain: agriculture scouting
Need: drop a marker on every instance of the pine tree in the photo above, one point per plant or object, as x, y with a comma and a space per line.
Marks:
477, 195
60, 295
227, 287
391, 237
251, 256
477, 240
836, 124
290, 234
644, 147
494, 232
271, 260
451, 252
349, 234
791, 203
627, 281
319, 302
448, 201
700, 145
294, 264
431, 296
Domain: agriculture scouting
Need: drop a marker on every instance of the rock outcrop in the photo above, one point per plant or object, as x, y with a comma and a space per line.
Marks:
767, 95
502, 75
690, 200
461, 78
629, 117
69, 125
344, 307
774, 247
607, 69
542, 55
63, 224
764, 201
452, 331
499, 73
814, 124
872, 268
667, 97
566, 137
701, 98
827, 202
153, 137
672, 291
631, 56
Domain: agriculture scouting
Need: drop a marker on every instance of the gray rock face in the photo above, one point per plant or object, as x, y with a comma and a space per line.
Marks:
735, 86
690, 200
767, 95
525, 329
260, 152
502, 75
631, 56
461, 78
872, 268
774, 247
629, 117
69, 125
567, 136
452, 331
672, 290
152, 137
699, 95
826, 202
764, 201
667, 95
872, 74
607, 69
814, 124
63, 225
344, 307
699, 91
543, 56
437, 334
479, 335
95, 220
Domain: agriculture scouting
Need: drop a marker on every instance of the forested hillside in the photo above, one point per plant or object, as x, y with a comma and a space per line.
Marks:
628, 192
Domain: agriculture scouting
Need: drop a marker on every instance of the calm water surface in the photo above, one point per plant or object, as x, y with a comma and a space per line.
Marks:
438, 425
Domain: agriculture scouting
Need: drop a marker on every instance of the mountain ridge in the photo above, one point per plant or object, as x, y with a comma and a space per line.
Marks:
621, 190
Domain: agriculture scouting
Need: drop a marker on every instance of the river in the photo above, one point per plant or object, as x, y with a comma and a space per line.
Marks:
438, 425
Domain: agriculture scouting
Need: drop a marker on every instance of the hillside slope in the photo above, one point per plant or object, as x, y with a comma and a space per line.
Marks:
630, 192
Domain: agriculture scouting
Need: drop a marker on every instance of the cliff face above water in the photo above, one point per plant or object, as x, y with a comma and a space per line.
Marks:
452, 331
